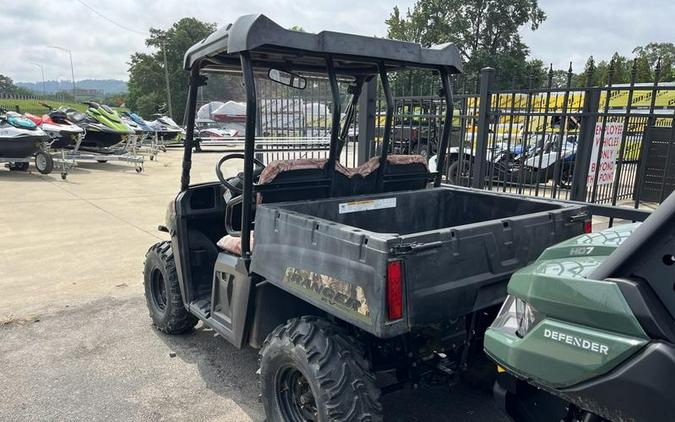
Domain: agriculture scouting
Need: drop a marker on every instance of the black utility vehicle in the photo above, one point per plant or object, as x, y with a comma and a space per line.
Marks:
356, 273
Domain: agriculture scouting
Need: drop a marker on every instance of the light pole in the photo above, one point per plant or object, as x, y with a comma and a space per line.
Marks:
72, 69
166, 79
42, 69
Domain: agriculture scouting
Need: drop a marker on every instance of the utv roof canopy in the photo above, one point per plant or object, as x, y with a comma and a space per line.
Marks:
271, 45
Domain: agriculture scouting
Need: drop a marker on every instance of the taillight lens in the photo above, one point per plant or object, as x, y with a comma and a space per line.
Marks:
517, 317
394, 290
588, 226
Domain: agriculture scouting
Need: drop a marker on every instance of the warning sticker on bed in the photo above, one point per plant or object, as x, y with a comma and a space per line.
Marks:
368, 205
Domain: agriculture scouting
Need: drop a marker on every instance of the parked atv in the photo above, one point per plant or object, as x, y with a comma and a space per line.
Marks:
545, 159
588, 330
351, 276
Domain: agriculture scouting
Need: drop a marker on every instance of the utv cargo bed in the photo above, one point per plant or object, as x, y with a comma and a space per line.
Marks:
457, 248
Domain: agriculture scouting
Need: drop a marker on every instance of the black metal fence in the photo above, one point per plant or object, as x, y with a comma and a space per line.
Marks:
588, 144
613, 144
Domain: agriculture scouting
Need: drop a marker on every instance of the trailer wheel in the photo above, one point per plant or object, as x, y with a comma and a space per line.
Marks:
21, 166
44, 162
310, 370
162, 292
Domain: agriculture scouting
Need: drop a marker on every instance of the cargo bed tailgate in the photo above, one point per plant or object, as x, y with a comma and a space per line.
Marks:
451, 272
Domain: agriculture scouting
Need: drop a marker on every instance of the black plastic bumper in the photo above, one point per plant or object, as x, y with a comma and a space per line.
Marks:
642, 389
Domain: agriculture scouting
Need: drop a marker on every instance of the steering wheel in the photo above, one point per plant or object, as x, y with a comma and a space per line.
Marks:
234, 189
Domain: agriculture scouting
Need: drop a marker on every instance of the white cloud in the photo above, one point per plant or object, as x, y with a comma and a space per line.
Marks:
577, 29
573, 30
101, 49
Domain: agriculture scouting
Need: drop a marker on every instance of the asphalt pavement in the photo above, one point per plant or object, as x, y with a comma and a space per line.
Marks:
76, 342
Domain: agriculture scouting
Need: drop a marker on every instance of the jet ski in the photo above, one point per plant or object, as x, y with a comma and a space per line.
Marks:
212, 130
62, 132
166, 128
104, 128
19, 137
138, 120
137, 128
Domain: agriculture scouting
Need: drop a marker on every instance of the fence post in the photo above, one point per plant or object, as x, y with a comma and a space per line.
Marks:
487, 77
367, 104
582, 160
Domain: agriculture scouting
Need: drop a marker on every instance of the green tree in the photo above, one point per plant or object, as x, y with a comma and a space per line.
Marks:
560, 78
7, 87
6, 84
147, 88
486, 32
651, 53
644, 72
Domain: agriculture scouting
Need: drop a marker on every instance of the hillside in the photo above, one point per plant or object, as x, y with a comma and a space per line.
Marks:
35, 106
107, 86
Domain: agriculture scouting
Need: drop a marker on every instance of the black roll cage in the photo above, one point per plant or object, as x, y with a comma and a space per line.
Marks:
258, 43
337, 136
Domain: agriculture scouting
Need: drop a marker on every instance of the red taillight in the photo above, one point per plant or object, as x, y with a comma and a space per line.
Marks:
394, 290
588, 226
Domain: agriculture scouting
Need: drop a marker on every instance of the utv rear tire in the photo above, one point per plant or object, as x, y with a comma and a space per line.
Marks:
162, 292
311, 370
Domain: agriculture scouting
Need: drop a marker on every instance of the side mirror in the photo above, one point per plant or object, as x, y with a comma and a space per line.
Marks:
287, 78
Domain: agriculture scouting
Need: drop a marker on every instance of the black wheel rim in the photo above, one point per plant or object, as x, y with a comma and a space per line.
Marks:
295, 397
158, 287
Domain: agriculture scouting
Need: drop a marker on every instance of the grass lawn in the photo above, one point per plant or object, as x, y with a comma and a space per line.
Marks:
34, 106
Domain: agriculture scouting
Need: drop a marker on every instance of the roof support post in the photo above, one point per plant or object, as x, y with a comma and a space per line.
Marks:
367, 104
249, 146
387, 125
447, 126
196, 80
335, 123
487, 77
350, 113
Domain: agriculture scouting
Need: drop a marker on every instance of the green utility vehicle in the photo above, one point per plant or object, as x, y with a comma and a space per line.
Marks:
588, 330
350, 281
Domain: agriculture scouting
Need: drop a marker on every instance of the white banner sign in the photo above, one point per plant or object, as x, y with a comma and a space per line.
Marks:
610, 152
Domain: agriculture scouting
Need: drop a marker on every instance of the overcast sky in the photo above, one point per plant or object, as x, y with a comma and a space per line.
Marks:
574, 28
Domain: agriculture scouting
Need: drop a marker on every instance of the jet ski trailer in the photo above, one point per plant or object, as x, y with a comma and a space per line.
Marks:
124, 150
64, 137
127, 153
20, 141
107, 137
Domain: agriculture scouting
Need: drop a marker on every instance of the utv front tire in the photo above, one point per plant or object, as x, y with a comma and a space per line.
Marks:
311, 370
162, 292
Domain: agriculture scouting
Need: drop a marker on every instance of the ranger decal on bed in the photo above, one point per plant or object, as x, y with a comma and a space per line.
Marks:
338, 293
